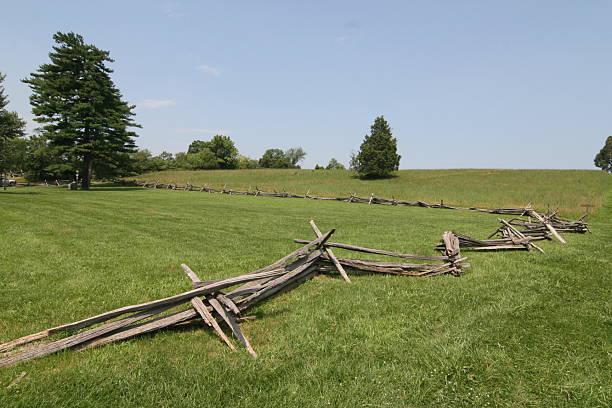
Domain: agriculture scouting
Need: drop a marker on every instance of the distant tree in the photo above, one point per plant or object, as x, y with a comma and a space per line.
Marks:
335, 165
222, 147
603, 160
11, 128
142, 161
225, 150
202, 160
13, 156
295, 155
181, 162
274, 158
196, 146
205, 159
44, 163
377, 156
245, 162
166, 156
317, 167
85, 118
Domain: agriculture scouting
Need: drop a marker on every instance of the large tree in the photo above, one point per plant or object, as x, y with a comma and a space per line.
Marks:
274, 158
85, 118
295, 155
603, 160
222, 147
11, 128
377, 156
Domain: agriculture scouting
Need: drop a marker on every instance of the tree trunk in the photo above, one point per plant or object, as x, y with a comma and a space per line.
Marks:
87, 174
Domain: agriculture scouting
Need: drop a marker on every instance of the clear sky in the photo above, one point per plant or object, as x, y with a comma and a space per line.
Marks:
478, 84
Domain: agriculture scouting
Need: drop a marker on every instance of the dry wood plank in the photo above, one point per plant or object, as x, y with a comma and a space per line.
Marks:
201, 308
228, 303
295, 254
548, 225
77, 339
451, 243
142, 328
330, 253
191, 274
519, 234
230, 319
276, 285
171, 300
377, 251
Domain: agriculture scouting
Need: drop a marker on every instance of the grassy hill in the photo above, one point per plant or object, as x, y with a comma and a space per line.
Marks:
564, 190
517, 329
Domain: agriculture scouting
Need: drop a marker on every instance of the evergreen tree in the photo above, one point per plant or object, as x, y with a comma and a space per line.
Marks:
11, 127
377, 156
603, 160
85, 119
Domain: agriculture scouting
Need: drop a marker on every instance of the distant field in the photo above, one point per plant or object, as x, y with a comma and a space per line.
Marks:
516, 330
564, 190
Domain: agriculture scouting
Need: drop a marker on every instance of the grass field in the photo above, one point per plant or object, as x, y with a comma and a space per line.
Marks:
516, 330
564, 190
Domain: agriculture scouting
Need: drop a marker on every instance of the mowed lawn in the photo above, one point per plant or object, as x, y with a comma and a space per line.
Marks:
563, 190
517, 329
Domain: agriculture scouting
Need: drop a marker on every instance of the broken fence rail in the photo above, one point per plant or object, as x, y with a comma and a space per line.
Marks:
209, 304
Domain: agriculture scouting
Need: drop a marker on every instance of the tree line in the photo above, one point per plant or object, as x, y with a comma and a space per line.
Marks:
87, 126
218, 153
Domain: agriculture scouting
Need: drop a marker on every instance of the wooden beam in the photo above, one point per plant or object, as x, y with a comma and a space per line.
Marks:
142, 328
229, 318
169, 301
548, 225
376, 251
77, 339
201, 308
191, 274
330, 253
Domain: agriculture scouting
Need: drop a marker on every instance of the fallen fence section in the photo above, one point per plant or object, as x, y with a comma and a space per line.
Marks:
509, 237
209, 303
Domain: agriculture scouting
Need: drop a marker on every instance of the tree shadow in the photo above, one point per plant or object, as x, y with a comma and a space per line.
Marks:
373, 178
113, 187
19, 192
94, 189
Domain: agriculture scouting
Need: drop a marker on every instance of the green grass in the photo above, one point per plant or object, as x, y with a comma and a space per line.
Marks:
517, 329
564, 190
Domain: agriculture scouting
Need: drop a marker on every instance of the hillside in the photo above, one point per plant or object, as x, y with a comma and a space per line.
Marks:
563, 190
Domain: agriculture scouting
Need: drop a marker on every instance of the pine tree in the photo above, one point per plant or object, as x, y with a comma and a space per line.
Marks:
11, 125
377, 156
603, 160
11, 128
84, 116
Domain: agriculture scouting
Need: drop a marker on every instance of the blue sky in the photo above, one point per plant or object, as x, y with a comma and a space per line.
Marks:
463, 84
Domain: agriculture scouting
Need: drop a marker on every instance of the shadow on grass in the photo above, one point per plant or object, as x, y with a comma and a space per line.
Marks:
19, 192
374, 178
123, 188
114, 187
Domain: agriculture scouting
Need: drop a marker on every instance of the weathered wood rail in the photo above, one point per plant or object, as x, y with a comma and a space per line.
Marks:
208, 303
